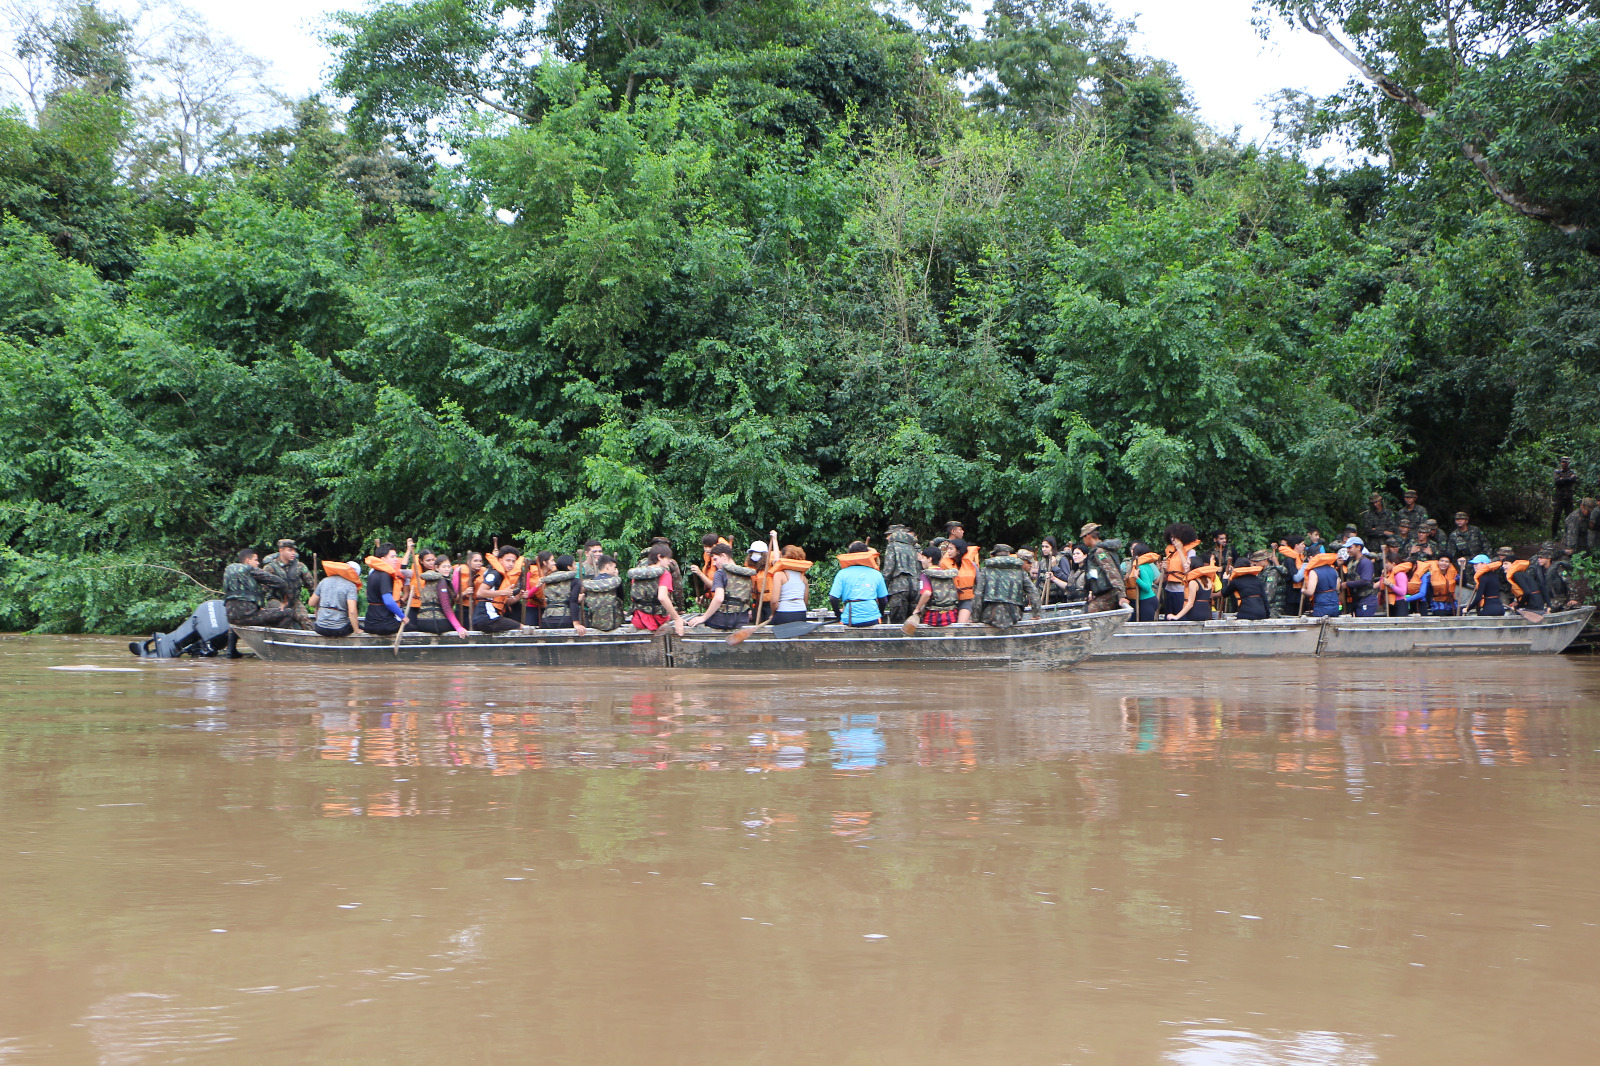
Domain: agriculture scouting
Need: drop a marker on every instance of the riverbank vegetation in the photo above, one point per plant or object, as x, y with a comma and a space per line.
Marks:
575, 270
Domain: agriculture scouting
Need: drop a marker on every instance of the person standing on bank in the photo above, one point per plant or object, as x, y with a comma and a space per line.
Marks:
334, 601
1103, 573
1465, 540
1413, 511
1580, 529
858, 594
244, 586
1566, 488
1377, 521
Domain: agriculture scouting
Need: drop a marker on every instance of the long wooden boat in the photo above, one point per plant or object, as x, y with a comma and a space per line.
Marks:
1055, 641
1346, 637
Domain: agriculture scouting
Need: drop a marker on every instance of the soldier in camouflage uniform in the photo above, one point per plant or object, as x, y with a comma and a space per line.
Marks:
1413, 512
1276, 581
1465, 541
1566, 489
1377, 521
245, 598
1581, 527
602, 598
295, 575
1002, 590
902, 574
1557, 575
1423, 547
1103, 574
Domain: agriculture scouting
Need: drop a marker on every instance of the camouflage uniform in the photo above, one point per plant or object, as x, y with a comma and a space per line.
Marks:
1002, 590
246, 601
1415, 514
1580, 533
1419, 551
1566, 492
295, 576
1469, 542
901, 573
1275, 581
1560, 584
1104, 560
602, 603
1376, 526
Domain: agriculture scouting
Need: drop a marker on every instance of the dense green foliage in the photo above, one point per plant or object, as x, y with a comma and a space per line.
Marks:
575, 271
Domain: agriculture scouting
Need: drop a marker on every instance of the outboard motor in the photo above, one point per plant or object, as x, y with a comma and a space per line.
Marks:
206, 633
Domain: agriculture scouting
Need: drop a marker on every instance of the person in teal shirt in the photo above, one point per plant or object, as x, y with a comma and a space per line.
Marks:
1147, 576
858, 593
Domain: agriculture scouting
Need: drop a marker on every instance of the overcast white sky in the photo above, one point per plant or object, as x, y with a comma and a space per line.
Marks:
1230, 70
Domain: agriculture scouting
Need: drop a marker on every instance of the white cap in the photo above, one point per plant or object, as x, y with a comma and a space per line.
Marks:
758, 547
352, 564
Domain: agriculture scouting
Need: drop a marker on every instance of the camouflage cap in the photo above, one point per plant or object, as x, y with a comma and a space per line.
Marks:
1586, 502
286, 543
1408, 491
1000, 549
1406, 522
1260, 558
1565, 459
1025, 555
1505, 549
1090, 527
1461, 514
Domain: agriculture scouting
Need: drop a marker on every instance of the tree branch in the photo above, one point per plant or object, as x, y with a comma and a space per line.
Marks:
1517, 201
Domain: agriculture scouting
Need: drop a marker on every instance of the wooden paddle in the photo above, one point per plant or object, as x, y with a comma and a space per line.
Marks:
405, 614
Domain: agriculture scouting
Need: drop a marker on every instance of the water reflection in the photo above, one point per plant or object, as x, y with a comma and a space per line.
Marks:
235, 863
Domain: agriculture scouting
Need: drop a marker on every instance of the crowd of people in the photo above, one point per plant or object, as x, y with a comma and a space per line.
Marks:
1392, 562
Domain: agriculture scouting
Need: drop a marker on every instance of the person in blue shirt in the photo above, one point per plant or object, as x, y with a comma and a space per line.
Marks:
858, 593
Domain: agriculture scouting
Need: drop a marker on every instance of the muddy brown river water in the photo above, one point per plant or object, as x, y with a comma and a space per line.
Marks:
1316, 864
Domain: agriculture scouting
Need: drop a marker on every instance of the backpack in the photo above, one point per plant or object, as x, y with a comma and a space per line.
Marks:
602, 607
943, 582
643, 583
558, 591
736, 589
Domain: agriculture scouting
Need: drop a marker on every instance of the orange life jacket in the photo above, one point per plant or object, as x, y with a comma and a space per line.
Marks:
1480, 570
866, 558
767, 576
1177, 563
344, 570
966, 573
1441, 585
1322, 559
705, 554
388, 566
1247, 570
1295, 556
1201, 573
510, 577
1511, 575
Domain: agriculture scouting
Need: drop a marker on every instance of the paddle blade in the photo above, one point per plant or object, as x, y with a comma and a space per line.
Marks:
738, 636
791, 630
910, 627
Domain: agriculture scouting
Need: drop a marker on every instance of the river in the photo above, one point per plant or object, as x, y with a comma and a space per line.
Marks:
1311, 863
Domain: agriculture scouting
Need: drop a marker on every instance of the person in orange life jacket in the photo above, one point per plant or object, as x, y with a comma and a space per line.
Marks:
1246, 583
499, 593
858, 594
966, 574
793, 588
385, 581
1144, 577
1181, 543
1358, 579
1322, 584
1312, 546
1486, 600
1196, 606
706, 572
1434, 585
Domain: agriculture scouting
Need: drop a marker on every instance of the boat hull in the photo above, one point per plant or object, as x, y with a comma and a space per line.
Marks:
1346, 637
1055, 641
